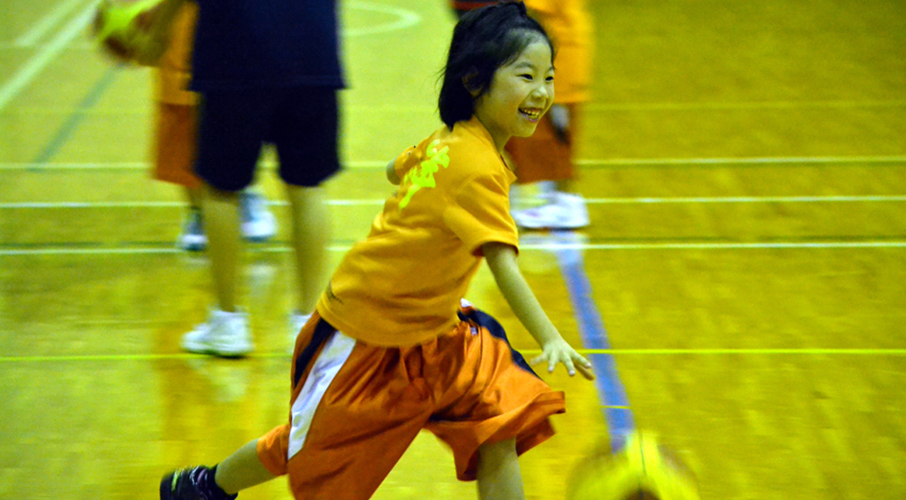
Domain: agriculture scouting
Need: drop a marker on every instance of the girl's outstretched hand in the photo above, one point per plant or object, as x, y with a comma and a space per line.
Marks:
559, 351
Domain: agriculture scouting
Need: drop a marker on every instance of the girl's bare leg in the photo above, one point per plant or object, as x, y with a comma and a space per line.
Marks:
499, 476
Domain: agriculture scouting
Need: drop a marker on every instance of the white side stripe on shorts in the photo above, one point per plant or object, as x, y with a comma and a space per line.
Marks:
333, 356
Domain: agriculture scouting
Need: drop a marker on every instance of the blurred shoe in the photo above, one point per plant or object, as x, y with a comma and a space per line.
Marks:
296, 321
564, 211
258, 223
225, 334
525, 196
192, 237
190, 484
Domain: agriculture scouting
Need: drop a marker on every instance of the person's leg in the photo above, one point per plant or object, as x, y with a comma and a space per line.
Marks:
192, 237
499, 476
241, 470
220, 210
229, 142
306, 137
226, 333
311, 234
193, 197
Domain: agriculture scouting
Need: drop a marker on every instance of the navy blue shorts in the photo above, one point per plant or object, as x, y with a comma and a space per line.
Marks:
301, 122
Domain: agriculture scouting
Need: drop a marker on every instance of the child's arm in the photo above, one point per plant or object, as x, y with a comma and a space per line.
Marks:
502, 261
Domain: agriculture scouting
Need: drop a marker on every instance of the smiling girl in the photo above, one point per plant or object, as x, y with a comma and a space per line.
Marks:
391, 348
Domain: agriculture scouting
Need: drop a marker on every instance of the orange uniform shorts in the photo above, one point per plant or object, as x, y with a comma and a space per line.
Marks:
544, 156
175, 144
355, 408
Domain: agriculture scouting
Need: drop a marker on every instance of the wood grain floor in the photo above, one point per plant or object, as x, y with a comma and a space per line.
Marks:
745, 168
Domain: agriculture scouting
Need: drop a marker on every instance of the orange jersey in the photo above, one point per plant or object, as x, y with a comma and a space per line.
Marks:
174, 70
401, 285
569, 24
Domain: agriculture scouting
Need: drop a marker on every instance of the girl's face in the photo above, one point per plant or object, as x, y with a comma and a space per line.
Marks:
519, 95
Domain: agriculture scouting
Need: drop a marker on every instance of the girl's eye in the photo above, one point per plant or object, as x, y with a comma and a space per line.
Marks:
526, 76
550, 79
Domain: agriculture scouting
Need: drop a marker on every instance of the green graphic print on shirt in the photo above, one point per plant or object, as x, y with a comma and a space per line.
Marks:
422, 176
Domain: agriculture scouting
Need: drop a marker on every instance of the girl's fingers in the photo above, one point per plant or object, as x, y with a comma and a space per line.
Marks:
582, 364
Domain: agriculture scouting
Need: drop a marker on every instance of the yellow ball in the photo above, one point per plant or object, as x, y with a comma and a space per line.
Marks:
118, 24
643, 469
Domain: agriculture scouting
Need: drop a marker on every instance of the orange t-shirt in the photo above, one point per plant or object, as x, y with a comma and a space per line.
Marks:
401, 286
569, 24
174, 71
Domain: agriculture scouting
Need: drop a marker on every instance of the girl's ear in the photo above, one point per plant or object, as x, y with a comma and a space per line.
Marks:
468, 82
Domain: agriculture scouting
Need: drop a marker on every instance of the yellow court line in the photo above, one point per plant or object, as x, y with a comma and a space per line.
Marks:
744, 105
755, 351
530, 352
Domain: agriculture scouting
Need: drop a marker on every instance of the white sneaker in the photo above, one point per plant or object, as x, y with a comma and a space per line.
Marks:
296, 321
225, 334
192, 237
258, 223
565, 211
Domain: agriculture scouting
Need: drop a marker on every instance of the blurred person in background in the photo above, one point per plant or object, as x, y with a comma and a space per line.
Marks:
547, 157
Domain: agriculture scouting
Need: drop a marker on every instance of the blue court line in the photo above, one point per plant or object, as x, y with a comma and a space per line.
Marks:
611, 392
64, 133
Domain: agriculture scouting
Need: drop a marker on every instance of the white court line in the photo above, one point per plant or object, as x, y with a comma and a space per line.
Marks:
770, 160
51, 19
789, 245
590, 201
39, 61
406, 19
804, 245
153, 204
750, 199
754, 105
146, 165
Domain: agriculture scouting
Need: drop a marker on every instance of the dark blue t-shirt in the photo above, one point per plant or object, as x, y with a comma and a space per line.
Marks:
243, 44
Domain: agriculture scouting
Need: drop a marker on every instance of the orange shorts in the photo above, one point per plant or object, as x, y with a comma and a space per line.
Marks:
175, 144
544, 156
355, 408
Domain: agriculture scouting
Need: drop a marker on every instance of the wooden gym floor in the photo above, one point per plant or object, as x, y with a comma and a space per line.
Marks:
745, 168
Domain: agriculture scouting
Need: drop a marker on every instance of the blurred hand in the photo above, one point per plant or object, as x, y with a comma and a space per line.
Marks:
559, 351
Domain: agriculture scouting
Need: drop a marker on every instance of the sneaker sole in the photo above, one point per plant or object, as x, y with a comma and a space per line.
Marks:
261, 230
193, 248
193, 243
213, 351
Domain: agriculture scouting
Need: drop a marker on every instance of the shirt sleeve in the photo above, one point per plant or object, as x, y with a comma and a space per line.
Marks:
273, 449
480, 213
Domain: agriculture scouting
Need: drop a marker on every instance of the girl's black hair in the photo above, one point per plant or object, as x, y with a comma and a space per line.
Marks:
484, 39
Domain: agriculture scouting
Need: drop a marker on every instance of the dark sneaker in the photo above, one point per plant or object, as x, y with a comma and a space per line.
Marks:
188, 484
